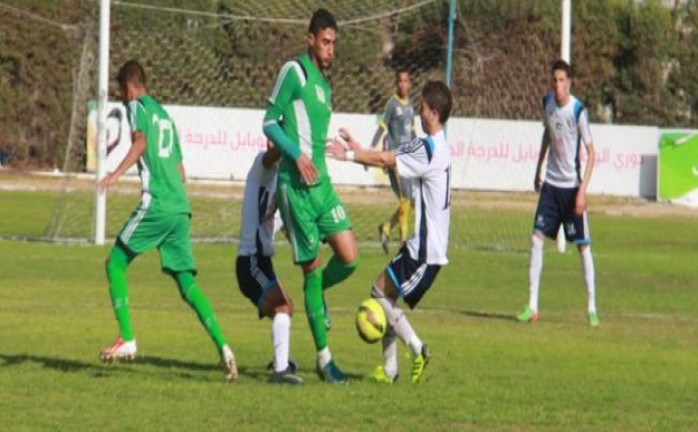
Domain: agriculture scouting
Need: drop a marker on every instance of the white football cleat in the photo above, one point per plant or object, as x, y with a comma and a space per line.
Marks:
228, 363
119, 350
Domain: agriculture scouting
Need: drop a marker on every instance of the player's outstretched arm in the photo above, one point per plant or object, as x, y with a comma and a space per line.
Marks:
351, 150
134, 153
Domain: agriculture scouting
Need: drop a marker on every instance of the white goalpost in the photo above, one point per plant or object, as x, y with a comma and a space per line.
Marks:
103, 94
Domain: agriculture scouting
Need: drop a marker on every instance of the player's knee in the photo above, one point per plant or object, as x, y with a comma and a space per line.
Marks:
537, 240
310, 266
276, 301
116, 262
349, 256
285, 308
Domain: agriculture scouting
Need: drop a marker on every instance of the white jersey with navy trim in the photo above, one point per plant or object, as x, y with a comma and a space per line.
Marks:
567, 127
258, 207
427, 162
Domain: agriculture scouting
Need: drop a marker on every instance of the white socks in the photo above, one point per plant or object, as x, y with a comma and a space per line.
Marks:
398, 321
390, 352
589, 278
280, 339
324, 356
534, 270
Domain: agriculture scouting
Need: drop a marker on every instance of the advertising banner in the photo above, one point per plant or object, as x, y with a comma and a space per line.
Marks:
678, 167
492, 155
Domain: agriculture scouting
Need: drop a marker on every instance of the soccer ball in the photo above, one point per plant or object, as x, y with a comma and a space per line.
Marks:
370, 321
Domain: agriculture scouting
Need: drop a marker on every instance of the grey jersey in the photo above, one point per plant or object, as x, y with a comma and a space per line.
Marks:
398, 121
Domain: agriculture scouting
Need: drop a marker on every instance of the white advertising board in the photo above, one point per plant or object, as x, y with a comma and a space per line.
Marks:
496, 155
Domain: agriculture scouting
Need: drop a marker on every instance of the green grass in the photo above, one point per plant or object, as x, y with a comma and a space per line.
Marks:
638, 371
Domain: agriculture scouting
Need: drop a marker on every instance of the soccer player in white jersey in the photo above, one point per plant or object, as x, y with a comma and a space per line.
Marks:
427, 161
253, 267
563, 194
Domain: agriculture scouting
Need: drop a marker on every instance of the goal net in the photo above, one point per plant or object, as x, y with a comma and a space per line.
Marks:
226, 54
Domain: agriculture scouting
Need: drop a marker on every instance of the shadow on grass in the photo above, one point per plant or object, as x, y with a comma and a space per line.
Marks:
180, 368
489, 315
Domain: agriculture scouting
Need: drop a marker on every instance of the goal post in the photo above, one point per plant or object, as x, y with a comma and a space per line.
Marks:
100, 219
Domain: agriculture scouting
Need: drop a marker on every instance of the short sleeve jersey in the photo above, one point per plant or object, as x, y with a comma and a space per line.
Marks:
258, 206
304, 97
158, 167
427, 161
398, 120
567, 128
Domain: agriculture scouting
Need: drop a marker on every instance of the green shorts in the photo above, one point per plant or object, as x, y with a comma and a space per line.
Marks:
310, 215
168, 232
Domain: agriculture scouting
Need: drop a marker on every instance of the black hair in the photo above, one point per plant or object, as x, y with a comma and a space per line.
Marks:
321, 20
401, 70
562, 65
132, 72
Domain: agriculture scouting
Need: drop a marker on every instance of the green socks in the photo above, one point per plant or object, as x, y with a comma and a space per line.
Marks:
314, 310
118, 262
336, 271
198, 301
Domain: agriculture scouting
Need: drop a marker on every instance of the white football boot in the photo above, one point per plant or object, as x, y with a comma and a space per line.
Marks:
119, 350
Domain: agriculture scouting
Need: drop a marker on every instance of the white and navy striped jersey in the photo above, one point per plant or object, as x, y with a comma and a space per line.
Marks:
427, 162
258, 207
567, 127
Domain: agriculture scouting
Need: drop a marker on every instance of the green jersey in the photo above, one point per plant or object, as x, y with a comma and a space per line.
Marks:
158, 167
301, 103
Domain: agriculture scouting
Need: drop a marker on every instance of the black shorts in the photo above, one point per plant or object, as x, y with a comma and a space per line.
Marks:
255, 275
555, 207
411, 277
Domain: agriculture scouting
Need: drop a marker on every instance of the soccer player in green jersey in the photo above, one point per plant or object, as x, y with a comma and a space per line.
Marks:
397, 124
296, 121
161, 219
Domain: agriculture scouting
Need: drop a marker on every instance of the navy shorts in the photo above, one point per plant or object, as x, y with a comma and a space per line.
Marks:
555, 207
411, 277
255, 275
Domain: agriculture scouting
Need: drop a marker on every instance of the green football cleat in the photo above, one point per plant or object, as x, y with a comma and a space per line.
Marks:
379, 376
527, 315
594, 319
419, 363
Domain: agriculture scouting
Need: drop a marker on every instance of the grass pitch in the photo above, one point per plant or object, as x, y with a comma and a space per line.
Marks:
637, 371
